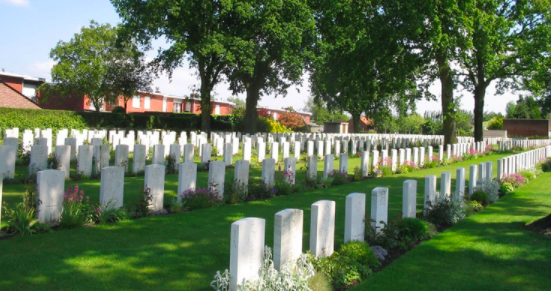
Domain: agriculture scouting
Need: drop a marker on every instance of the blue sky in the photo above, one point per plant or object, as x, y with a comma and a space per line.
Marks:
31, 28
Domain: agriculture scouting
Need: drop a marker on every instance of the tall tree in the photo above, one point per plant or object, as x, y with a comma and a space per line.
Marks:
95, 64
355, 69
501, 40
195, 30
271, 41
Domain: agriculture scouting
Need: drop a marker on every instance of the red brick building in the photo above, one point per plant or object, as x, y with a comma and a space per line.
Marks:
25, 85
274, 113
12, 98
142, 102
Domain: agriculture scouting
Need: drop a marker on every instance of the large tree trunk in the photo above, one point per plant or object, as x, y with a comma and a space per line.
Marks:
251, 114
479, 93
205, 107
356, 122
448, 106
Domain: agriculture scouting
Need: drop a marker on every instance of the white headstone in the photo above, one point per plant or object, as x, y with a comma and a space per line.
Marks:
246, 250
268, 172
39, 159
288, 227
430, 193
63, 155
217, 174
322, 228
50, 188
409, 199
8, 156
354, 223
459, 185
379, 208
138, 160
187, 178
154, 180
112, 187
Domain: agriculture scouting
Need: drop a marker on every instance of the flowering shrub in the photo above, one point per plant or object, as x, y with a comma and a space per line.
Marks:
432, 162
445, 213
515, 180
456, 159
77, 209
407, 167
292, 276
529, 174
199, 198
292, 120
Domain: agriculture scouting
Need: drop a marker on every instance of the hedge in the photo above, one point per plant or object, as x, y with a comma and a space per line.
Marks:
33, 118
59, 119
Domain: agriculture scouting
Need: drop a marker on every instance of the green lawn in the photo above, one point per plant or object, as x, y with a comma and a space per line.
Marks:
171, 252
486, 251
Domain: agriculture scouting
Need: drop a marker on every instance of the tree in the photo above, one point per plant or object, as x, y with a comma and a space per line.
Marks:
238, 102
355, 68
271, 45
320, 113
524, 108
195, 30
498, 46
94, 64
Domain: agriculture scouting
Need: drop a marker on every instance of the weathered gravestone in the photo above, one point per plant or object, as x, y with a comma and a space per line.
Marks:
322, 228
112, 187
354, 223
246, 250
288, 227
50, 188
154, 183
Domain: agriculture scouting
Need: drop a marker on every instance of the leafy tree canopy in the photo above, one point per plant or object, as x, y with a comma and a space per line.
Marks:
96, 63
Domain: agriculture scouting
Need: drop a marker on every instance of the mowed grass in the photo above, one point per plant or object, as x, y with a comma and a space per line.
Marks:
172, 252
487, 251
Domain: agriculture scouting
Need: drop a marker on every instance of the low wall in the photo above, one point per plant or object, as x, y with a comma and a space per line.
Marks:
527, 127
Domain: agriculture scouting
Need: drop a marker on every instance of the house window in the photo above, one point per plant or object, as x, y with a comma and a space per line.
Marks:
275, 115
177, 107
217, 109
147, 102
136, 101
188, 107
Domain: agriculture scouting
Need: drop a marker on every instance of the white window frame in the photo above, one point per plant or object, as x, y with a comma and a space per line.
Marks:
177, 104
217, 109
147, 102
136, 102
188, 107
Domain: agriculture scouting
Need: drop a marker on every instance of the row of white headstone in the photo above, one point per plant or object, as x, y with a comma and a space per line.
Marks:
248, 234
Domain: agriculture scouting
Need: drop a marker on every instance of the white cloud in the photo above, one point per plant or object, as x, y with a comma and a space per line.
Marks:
41, 69
17, 2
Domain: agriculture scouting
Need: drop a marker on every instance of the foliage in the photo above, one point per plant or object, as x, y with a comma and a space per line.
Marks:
490, 187
177, 206
199, 198
529, 174
495, 123
292, 120
480, 197
260, 190
118, 110
271, 44
402, 233
21, 220
432, 162
293, 276
516, 180
445, 213
354, 262
321, 114
142, 207
108, 213
506, 188
525, 108
98, 65
235, 192
357, 176
336, 178
31, 119
410, 124
274, 125
407, 167
172, 164
76, 208
475, 206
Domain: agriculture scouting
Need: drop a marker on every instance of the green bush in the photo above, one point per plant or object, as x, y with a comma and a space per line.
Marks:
402, 233
33, 118
118, 110
506, 188
495, 123
445, 213
354, 262
481, 197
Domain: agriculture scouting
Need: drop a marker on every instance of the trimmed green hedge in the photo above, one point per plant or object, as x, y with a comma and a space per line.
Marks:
33, 118
59, 119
